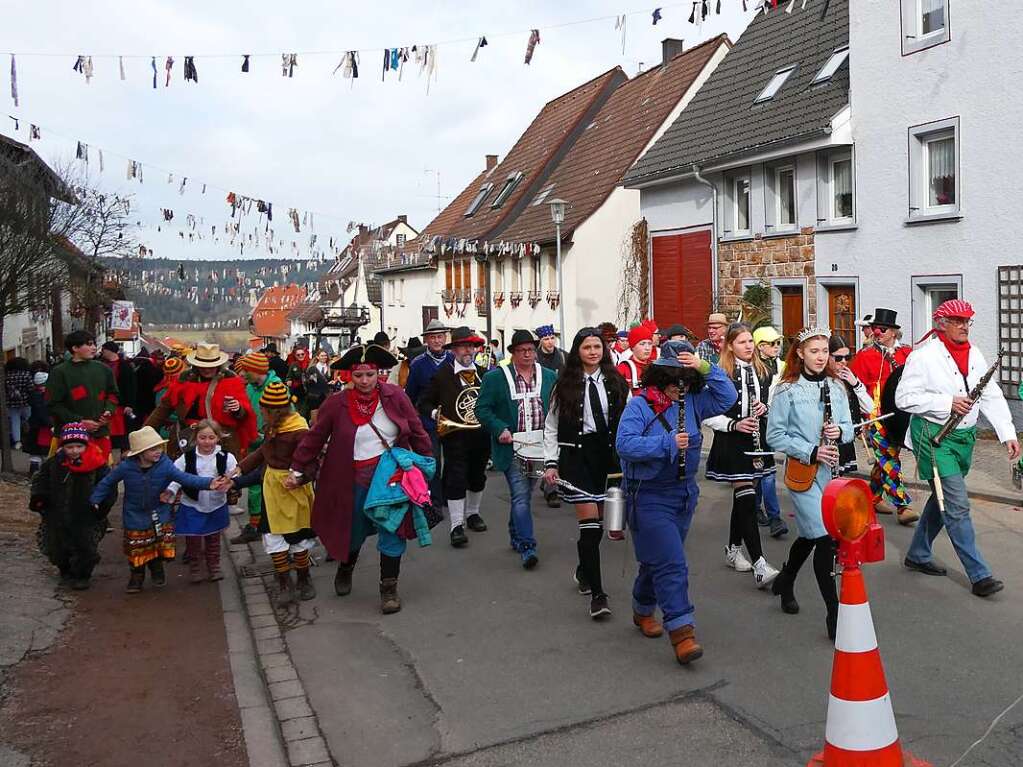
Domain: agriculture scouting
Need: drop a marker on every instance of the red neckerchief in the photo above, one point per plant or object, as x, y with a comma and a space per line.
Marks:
90, 460
960, 352
658, 400
362, 406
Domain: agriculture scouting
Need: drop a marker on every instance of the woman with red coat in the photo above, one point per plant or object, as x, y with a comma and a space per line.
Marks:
360, 423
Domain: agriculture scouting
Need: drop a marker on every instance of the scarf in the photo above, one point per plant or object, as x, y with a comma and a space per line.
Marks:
291, 422
362, 406
89, 461
658, 400
960, 352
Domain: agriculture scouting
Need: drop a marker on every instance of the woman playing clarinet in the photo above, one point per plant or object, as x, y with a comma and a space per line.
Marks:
579, 436
738, 455
809, 418
859, 398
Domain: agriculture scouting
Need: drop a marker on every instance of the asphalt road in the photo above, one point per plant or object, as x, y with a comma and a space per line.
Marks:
488, 664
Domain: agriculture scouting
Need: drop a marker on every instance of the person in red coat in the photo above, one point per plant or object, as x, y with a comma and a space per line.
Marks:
873, 365
358, 422
641, 346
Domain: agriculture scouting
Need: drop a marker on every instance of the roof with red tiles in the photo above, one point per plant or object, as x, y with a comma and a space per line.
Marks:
270, 317
533, 156
610, 144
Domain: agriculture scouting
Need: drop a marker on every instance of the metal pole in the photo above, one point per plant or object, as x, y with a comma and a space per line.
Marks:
561, 286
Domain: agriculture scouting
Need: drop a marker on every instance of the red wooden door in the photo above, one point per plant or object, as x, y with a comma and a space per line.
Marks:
683, 282
791, 310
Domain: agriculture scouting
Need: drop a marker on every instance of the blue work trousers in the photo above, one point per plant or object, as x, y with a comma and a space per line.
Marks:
956, 520
520, 518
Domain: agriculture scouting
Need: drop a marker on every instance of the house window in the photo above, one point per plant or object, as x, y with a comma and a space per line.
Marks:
481, 195
466, 275
499, 276
509, 186
1010, 328
835, 188
781, 208
543, 195
934, 170
516, 274
536, 273
449, 275
831, 66
925, 23
736, 212
401, 292
929, 292
481, 274
775, 84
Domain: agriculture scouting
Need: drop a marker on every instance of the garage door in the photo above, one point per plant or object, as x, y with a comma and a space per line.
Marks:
682, 279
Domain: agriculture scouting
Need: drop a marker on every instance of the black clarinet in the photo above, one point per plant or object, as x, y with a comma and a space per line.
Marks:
681, 430
751, 393
828, 416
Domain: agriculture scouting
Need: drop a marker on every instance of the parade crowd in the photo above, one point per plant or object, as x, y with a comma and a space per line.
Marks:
387, 444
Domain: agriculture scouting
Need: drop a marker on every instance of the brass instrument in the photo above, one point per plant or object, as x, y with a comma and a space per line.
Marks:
465, 411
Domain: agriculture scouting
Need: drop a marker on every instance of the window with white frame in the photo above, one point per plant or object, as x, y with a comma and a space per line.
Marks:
499, 276
831, 65
925, 23
509, 186
737, 200
934, 170
516, 275
835, 188
401, 292
536, 273
782, 214
929, 292
399, 239
775, 84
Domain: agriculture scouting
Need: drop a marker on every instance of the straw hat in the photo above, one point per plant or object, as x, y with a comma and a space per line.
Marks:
207, 356
143, 439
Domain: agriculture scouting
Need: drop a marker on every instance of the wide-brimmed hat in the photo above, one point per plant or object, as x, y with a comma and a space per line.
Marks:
464, 335
435, 326
142, 440
370, 355
864, 322
717, 318
207, 356
414, 346
381, 338
678, 329
521, 336
885, 318
668, 358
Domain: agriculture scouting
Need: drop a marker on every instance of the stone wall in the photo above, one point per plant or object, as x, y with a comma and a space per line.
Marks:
765, 259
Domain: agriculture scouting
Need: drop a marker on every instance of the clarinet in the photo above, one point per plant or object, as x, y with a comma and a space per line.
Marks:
758, 460
974, 394
828, 416
681, 430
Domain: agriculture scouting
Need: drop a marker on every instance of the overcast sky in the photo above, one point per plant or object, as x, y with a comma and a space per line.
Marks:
361, 150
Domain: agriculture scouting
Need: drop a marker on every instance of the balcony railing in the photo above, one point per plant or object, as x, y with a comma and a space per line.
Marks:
346, 317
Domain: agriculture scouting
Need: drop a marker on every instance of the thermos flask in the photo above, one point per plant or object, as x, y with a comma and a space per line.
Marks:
614, 513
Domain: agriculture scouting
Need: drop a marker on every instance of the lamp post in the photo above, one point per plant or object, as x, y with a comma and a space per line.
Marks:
558, 217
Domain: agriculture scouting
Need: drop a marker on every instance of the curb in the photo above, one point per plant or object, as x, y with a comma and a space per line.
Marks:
281, 730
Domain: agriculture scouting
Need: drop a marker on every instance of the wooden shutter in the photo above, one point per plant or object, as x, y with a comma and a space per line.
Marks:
449, 277
682, 279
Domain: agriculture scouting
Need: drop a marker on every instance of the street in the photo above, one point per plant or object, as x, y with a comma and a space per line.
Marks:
487, 664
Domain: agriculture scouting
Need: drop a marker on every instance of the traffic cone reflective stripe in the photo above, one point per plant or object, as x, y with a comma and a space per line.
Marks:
861, 729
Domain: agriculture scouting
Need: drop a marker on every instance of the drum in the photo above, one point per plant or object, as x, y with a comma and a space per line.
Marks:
528, 449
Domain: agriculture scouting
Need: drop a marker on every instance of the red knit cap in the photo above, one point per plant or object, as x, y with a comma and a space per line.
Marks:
254, 362
640, 333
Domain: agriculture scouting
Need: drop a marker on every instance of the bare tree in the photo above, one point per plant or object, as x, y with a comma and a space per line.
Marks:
633, 291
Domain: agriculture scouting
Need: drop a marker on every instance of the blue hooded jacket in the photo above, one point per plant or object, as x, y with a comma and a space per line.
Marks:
142, 490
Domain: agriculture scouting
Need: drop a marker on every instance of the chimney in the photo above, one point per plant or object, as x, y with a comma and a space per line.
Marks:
491, 161
670, 48
403, 219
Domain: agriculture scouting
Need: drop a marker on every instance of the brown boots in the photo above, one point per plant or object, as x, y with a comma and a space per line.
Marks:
306, 590
648, 624
285, 589
686, 647
389, 601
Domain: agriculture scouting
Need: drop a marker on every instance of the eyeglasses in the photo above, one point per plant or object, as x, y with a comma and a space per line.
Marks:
959, 322
841, 357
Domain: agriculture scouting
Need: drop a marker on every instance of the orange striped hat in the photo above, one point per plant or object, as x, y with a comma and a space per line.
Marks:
275, 394
173, 365
254, 362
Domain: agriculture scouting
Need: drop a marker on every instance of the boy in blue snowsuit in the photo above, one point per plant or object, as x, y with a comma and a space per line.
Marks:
659, 506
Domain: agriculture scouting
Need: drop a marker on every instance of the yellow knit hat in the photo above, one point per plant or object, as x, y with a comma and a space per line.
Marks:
275, 394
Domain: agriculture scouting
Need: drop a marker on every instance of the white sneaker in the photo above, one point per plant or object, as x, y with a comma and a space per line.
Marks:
763, 573
736, 560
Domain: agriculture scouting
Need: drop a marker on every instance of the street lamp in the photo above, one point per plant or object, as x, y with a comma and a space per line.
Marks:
558, 217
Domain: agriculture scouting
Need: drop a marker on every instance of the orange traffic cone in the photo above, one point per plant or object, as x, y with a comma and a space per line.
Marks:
860, 730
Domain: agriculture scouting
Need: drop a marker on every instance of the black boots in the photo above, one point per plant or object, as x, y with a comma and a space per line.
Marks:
783, 587
285, 589
306, 590
343, 578
138, 577
156, 573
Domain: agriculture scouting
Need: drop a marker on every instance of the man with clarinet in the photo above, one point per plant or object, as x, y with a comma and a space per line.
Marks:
944, 381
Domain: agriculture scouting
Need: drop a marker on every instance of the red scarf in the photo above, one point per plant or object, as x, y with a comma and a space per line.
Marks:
960, 352
659, 401
90, 460
362, 406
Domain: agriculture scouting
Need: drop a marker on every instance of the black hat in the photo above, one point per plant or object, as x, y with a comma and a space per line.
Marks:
521, 336
372, 354
111, 346
885, 318
270, 348
381, 338
414, 345
464, 335
678, 329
